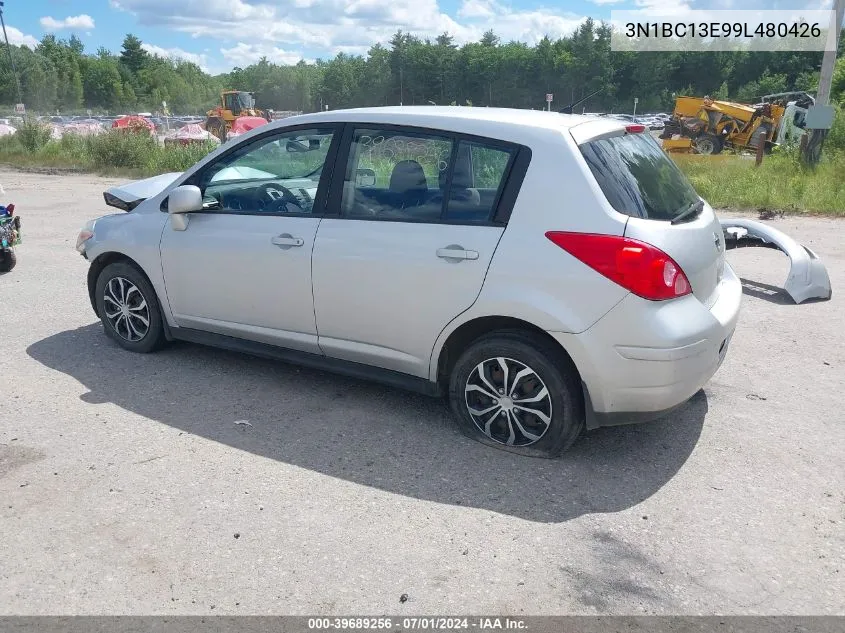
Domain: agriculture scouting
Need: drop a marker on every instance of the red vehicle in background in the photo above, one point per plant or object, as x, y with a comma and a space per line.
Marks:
244, 124
134, 123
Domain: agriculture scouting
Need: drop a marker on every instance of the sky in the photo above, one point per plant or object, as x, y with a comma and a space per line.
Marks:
221, 34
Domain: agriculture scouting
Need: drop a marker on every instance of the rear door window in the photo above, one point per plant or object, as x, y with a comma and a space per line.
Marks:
477, 180
424, 176
395, 175
638, 178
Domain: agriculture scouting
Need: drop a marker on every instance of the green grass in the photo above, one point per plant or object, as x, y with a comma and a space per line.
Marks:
781, 183
115, 152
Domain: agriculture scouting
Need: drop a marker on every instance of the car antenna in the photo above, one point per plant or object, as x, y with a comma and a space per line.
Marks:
568, 109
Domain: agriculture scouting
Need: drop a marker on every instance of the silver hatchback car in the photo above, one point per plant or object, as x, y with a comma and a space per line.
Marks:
548, 273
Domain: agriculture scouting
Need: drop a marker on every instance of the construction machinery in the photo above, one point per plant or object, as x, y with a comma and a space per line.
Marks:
233, 105
707, 126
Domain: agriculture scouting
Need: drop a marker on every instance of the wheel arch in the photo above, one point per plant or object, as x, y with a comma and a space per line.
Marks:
100, 262
465, 334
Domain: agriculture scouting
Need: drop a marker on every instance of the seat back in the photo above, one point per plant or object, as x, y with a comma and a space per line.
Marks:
462, 182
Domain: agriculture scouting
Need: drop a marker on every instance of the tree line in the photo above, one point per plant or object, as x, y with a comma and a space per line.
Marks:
60, 76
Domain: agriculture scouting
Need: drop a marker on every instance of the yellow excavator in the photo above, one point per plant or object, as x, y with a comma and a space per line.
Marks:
233, 105
707, 126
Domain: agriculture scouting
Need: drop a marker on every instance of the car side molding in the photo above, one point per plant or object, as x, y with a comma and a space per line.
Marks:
319, 362
807, 279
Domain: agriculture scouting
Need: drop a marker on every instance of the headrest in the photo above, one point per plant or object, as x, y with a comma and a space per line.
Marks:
407, 175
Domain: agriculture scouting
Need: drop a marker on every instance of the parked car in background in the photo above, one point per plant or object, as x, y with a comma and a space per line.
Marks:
624, 117
191, 134
652, 122
134, 123
545, 272
649, 121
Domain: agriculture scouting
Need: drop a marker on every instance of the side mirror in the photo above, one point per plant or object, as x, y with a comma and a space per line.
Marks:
181, 201
184, 199
365, 178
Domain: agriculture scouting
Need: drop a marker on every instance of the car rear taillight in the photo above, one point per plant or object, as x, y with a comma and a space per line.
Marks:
637, 266
635, 128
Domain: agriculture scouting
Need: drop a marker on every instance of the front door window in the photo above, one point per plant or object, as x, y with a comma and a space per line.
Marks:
279, 174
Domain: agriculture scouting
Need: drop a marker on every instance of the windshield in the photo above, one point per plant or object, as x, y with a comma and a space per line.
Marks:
289, 157
238, 102
638, 178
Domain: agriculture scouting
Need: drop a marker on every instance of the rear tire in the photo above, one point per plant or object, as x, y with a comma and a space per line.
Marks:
129, 308
537, 407
8, 260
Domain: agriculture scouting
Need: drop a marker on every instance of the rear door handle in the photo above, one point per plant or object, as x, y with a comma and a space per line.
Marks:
456, 252
287, 240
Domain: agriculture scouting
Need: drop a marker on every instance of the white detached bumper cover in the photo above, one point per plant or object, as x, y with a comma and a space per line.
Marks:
807, 278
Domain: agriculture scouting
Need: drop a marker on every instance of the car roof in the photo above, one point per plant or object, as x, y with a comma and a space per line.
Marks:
491, 122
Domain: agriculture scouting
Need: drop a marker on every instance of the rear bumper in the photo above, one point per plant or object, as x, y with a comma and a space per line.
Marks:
644, 359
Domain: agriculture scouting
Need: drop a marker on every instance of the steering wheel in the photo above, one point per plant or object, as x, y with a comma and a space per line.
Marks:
277, 196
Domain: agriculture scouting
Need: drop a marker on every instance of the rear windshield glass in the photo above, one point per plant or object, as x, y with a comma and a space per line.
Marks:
638, 178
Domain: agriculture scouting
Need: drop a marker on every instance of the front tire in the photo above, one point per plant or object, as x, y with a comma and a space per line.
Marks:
129, 309
217, 126
708, 144
515, 391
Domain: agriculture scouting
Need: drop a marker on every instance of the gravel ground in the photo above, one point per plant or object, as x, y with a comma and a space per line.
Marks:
127, 486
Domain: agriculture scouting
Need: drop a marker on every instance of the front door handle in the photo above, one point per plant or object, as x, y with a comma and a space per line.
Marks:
286, 240
456, 252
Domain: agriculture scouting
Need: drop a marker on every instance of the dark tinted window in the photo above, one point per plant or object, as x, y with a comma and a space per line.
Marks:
477, 179
638, 178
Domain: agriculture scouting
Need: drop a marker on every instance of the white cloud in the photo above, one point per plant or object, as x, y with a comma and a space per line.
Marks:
245, 54
663, 7
509, 24
282, 29
600, 2
18, 38
164, 11
477, 9
199, 59
77, 22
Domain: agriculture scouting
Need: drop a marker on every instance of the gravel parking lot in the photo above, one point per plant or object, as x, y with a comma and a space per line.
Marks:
128, 485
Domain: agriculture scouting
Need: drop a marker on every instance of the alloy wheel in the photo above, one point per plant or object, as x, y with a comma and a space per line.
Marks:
508, 401
126, 309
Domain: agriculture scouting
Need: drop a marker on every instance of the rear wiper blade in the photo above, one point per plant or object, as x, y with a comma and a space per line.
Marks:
695, 207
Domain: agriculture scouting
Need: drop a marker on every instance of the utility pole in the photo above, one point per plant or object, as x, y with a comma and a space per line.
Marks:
811, 144
829, 60
9, 51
